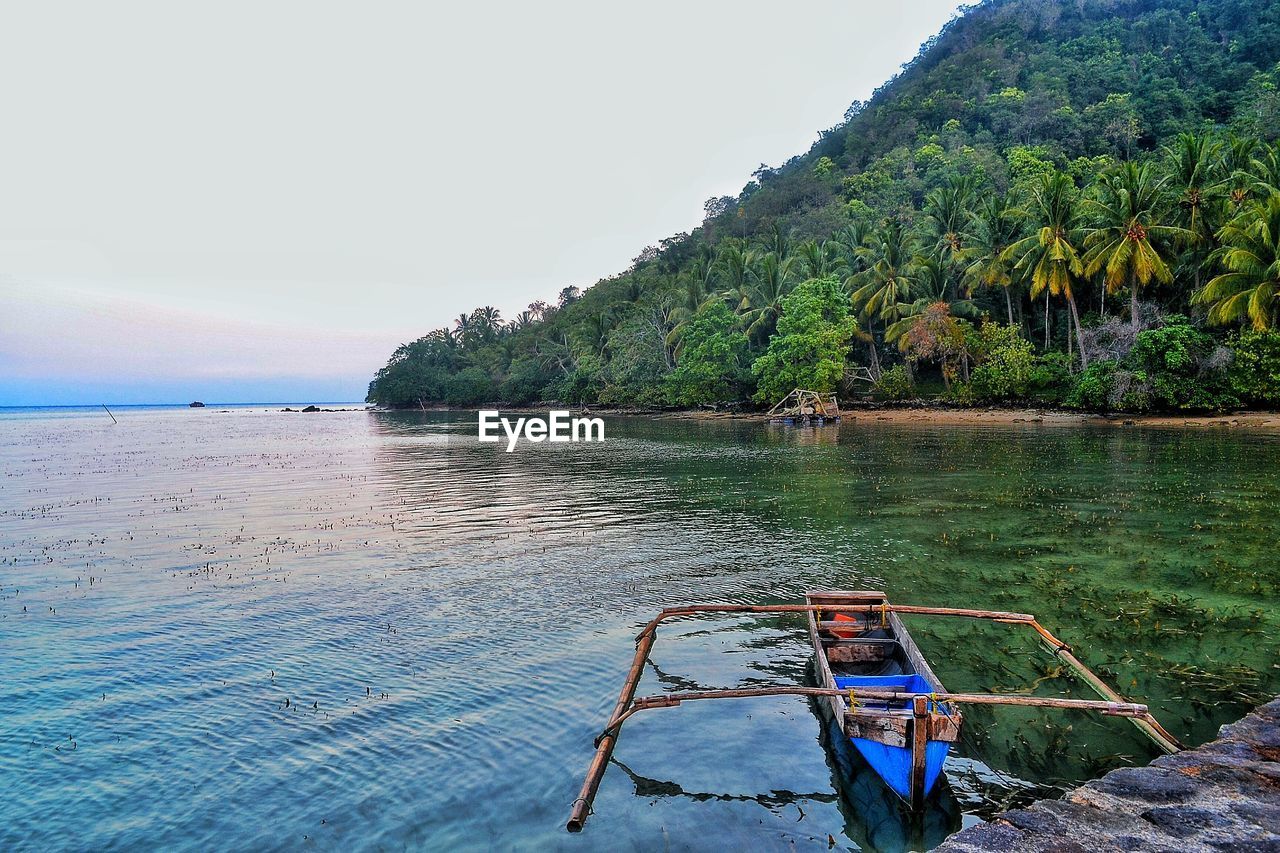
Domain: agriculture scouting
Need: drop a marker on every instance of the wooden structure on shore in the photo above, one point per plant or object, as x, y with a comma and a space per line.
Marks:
806, 407
851, 612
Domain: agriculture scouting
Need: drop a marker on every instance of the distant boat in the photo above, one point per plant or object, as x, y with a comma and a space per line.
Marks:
197, 405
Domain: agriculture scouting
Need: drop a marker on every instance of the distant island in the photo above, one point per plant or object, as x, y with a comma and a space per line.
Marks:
1062, 204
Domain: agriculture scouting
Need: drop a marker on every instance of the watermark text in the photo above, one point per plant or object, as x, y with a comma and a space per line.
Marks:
558, 426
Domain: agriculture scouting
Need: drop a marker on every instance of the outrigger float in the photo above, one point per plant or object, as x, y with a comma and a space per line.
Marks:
874, 682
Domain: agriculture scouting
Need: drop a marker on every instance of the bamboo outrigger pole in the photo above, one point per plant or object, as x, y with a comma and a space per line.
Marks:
627, 705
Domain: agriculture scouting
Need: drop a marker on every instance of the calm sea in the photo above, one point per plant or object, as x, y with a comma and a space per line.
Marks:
237, 628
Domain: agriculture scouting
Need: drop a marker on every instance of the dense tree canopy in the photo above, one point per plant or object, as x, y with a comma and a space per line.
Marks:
1059, 168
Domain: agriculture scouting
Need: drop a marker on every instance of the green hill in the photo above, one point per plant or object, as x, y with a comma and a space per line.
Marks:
1102, 176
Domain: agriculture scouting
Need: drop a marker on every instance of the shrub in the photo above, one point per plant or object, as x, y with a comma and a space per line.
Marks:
895, 383
1051, 379
1005, 364
1185, 366
1255, 368
1175, 367
1106, 386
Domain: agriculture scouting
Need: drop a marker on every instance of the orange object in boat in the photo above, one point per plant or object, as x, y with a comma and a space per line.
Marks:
846, 635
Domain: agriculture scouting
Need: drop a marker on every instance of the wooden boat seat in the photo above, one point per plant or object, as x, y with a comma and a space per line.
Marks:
863, 650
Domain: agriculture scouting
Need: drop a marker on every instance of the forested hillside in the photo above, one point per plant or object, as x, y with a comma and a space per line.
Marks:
1073, 202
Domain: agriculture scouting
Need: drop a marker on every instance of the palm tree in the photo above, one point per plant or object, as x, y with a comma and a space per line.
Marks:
818, 260
777, 241
1250, 288
735, 266
1126, 239
947, 217
847, 244
1238, 168
762, 305
1267, 168
994, 229
885, 283
1193, 164
1050, 257
1193, 161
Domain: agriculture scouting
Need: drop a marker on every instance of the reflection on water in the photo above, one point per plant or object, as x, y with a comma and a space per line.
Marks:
367, 630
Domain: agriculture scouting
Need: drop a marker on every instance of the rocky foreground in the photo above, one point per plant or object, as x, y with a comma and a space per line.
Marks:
1222, 796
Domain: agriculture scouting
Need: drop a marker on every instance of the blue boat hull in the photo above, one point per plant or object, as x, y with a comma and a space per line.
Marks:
893, 763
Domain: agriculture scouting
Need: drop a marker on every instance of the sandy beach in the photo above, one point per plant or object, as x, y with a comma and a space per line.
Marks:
1004, 417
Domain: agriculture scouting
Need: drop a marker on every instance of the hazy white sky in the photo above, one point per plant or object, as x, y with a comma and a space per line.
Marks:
259, 201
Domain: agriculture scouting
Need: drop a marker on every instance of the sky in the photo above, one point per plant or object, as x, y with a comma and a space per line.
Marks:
258, 201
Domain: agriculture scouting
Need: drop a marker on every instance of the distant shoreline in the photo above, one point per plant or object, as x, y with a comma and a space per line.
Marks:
928, 415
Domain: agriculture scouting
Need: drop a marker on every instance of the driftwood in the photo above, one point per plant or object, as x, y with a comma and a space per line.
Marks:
627, 705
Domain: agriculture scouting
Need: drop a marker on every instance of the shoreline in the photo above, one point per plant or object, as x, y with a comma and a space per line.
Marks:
935, 416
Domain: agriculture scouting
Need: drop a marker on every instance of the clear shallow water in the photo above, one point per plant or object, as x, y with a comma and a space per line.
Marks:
250, 629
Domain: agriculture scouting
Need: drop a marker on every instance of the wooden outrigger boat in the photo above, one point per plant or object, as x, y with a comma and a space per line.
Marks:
904, 740
874, 681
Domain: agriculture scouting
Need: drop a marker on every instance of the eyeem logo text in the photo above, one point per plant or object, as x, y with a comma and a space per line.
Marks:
556, 427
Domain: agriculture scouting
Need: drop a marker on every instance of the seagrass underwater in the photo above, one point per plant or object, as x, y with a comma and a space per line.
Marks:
558, 426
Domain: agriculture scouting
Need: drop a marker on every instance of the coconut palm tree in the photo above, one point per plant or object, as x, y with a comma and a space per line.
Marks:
1267, 169
777, 241
1193, 163
735, 266
1250, 288
1050, 257
762, 305
847, 245
885, 283
947, 217
818, 260
929, 286
1238, 168
994, 228
1127, 238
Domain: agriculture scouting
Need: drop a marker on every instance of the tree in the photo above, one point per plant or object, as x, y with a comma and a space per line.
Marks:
810, 346
712, 366
762, 304
947, 217
1127, 238
995, 228
885, 283
1250, 288
1193, 163
929, 287
735, 265
935, 335
1050, 257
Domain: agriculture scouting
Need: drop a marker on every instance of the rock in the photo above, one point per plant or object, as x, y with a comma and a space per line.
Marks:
1218, 797
196, 405
1149, 784
311, 409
